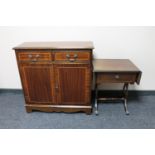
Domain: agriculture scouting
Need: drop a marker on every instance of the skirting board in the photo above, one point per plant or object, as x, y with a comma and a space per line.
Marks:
131, 92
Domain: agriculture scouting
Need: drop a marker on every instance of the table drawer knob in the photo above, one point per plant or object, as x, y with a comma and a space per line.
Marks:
37, 56
30, 55
117, 76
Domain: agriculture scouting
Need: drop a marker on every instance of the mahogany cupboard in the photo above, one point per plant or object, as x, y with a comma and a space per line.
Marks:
56, 76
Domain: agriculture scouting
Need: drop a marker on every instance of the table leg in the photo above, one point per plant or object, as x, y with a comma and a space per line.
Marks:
125, 91
96, 96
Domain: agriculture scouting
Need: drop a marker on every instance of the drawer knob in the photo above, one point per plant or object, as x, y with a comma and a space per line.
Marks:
75, 55
56, 87
30, 55
117, 76
37, 56
67, 56
71, 59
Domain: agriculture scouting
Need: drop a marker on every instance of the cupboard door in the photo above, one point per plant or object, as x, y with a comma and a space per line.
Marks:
37, 80
73, 84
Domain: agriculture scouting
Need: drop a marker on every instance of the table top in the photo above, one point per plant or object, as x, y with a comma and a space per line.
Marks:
56, 45
114, 65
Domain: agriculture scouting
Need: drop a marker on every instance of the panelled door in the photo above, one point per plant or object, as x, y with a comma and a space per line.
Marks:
37, 81
73, 84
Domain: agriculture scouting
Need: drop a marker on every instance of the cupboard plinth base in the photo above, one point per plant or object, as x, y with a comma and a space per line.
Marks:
55, 108
28, 109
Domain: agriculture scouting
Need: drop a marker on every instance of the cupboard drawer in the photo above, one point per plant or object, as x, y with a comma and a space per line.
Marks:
72, 56
34, 56
116, 77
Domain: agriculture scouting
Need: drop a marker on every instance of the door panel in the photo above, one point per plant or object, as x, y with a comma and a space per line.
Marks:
73, 82
37, 83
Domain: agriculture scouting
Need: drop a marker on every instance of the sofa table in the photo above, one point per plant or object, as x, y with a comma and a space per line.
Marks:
115, 71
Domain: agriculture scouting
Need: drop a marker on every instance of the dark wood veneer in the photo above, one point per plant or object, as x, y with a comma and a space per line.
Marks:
115, 71
73, 82
56, 77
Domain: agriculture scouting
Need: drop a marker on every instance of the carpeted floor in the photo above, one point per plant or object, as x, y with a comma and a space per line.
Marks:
111, 115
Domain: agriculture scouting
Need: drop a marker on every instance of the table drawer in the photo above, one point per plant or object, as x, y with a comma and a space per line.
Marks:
116, 77
73, 56
34, 56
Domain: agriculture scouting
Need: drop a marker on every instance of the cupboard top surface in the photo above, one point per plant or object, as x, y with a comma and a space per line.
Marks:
114, 65
56, 45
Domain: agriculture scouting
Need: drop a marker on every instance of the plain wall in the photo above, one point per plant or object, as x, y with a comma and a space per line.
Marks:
134, 43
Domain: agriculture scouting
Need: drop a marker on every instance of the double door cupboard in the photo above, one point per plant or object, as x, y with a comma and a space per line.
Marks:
56, 76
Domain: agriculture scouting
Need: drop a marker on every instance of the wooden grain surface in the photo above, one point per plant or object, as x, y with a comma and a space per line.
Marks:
52, 83
56, 45
114, 65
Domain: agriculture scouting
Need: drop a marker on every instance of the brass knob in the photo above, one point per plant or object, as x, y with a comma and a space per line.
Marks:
56, 87
30, 55
75, 55
67, 56
117, 76
71, 60
37, 56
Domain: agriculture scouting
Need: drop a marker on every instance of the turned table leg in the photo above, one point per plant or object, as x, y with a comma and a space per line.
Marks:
96, 96
125, 91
